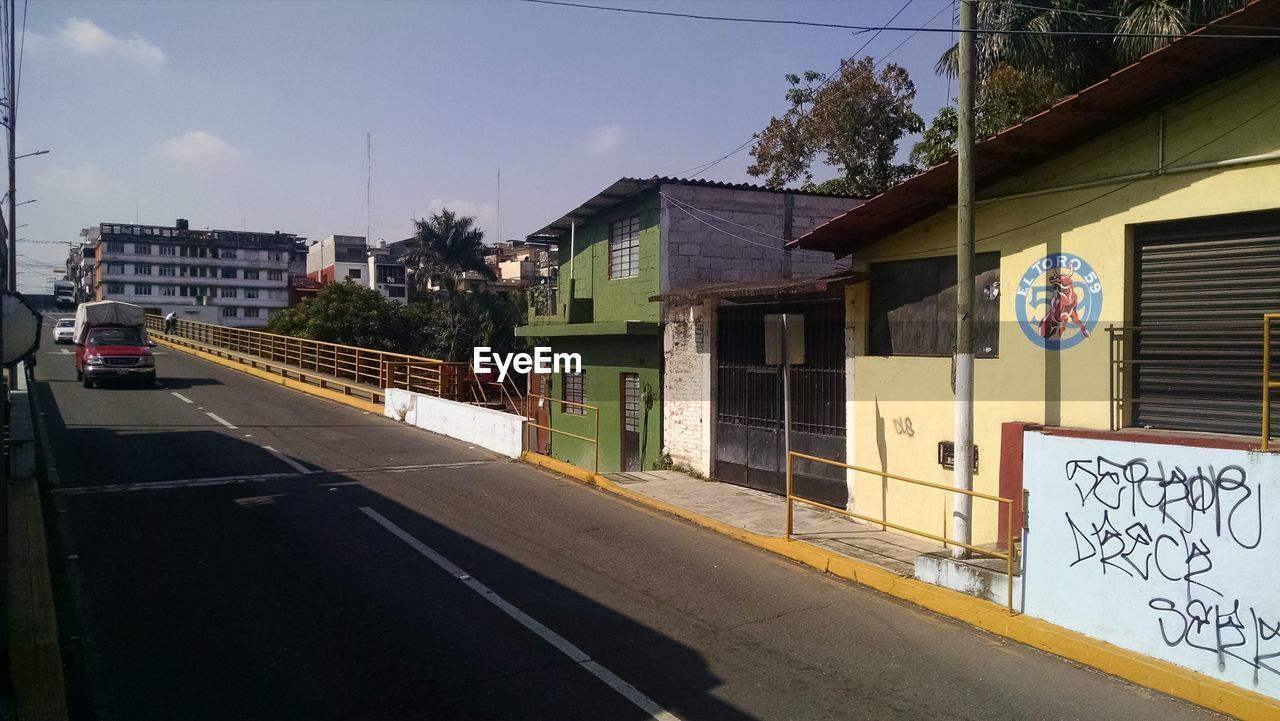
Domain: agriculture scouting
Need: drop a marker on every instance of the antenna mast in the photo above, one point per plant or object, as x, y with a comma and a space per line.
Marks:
368, 185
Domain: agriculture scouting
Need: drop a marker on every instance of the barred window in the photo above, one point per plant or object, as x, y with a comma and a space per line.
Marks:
575, 391
113, 247
251, 292
141, 269
251, 312
228, 293
275, 275
142, 289
142, 248
250, 274
229, 313
115, 288
168, 290
624, 248
167, 250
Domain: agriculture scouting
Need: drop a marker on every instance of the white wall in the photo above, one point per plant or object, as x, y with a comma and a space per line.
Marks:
1166, 550
499, 432
686, 385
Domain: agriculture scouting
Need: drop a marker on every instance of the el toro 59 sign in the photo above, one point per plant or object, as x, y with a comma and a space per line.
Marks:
1059, 301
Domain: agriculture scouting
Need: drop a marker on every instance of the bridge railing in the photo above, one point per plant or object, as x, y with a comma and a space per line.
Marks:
366, 366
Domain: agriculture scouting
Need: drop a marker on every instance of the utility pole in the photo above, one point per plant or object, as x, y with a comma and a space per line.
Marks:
12, 85
962, 504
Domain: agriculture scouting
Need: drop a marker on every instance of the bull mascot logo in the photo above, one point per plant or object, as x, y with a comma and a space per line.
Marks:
1058, 301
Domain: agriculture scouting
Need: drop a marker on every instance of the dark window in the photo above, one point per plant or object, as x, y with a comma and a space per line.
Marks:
575, 391
115, 247
395, 291
251, 312
250, 274
624, 248
142, 248
228, 272
353, 273
275, 275
913, 307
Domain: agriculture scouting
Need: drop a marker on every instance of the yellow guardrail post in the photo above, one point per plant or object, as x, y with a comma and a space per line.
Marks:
1007, 556
593, 441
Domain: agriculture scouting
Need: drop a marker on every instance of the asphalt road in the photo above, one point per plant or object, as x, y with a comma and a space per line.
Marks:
405, 575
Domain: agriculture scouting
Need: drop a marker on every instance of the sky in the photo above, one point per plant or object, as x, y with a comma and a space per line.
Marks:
255, 115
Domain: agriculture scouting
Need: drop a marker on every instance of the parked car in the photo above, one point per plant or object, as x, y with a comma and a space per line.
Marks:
64, 330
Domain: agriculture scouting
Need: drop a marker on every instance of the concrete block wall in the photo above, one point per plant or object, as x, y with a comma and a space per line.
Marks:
698, 252
686, 405
497, 431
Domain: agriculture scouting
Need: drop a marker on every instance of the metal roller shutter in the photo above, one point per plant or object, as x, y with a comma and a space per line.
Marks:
1202, 287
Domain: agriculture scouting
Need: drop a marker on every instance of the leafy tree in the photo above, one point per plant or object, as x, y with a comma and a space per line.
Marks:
344, 313
853, 121
443, 248
1004, 99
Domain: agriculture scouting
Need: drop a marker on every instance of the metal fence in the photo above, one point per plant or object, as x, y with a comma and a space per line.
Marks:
379, 369
1007, 555
531, 422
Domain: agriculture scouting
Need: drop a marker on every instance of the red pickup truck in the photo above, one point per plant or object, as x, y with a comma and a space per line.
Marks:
118, 353
111, 344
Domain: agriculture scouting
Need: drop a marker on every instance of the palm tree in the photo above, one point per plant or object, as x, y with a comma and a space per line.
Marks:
1074, 61
444, 247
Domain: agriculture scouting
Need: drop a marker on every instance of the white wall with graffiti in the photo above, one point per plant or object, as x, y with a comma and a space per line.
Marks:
1166, 550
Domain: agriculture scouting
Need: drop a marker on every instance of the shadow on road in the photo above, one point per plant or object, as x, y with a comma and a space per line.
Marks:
283, 599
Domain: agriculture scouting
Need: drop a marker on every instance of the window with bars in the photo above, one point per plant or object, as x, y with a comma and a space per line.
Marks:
251, 312
624, 248
167, 250
275, 275
115, 288
574, 391
142, 248
141, 269
229, 313
142, 289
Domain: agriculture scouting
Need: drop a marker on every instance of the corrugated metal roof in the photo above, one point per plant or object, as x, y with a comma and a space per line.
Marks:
626, 189
1135, 90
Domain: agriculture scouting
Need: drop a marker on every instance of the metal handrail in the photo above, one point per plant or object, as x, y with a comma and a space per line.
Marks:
1267, 383
595, 442
362, 365
1007, 556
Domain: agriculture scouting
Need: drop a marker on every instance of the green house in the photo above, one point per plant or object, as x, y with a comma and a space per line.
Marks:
618, 253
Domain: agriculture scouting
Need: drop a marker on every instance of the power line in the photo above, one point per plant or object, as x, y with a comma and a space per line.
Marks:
686, 209
1089, 201
859, 29
700, 169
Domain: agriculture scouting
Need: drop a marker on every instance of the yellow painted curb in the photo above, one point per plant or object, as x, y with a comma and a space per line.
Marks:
1143, 670
290, 383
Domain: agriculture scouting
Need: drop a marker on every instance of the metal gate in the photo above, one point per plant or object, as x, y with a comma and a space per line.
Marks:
749, 446
1202, 287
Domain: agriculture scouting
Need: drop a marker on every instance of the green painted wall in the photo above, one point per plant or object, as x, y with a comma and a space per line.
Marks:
614, 298
604, 358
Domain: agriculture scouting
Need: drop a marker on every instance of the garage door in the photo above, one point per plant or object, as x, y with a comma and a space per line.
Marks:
1202, 287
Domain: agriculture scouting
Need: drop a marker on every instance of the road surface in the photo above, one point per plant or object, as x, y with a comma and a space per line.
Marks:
235, 550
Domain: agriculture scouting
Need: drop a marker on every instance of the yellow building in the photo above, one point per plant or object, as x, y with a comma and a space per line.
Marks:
1149, 200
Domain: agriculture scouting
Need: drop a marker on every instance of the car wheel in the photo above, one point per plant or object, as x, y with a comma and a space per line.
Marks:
88, 382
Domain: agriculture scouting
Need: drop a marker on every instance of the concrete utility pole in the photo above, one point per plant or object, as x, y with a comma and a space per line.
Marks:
962, 504
12, 271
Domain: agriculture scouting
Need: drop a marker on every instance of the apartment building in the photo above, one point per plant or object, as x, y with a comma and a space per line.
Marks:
339, 258
216, 276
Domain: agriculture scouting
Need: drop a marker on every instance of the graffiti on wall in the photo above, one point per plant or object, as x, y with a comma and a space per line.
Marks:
1165, 531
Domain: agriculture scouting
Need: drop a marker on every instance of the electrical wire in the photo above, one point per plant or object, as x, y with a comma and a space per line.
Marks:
859, 29
1168, 166
686, 209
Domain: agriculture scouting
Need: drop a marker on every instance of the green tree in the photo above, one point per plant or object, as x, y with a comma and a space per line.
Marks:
345, 313
853, 121
1004, 99
443, 248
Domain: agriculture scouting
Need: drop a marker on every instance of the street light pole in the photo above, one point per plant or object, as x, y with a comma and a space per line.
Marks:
13, 167
962, 503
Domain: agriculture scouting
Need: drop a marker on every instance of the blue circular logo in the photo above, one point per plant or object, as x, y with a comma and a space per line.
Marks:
1059, 301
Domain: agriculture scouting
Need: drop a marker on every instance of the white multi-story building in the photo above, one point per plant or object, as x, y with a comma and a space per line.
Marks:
217, 276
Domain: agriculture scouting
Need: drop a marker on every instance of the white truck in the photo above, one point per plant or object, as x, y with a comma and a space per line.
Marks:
64, 293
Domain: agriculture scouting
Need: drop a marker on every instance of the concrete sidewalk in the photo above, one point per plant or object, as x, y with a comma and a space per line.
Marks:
765, 514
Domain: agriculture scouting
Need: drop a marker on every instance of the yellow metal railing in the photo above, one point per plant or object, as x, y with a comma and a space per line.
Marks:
1267, 384
377, 368
1007, 556
595, 442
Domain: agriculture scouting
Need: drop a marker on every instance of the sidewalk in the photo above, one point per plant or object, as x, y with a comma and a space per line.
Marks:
765, 514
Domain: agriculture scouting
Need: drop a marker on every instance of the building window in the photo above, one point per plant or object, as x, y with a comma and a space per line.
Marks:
276, 255
395, 291
115, 268
228, 312
166, 250
166, 234
353, 273
228, 253
115, 288
142, 289
575, 391
115, 247
249, 274
251, 312
624, 248
275, 294
167, 270
228, 293
168, 290
230, 272
275, 275
142, 248
913, 307
141, 269
251, 292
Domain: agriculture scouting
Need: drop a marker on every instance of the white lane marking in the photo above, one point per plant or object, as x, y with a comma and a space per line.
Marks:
233, 480
221, 420
65, 351
578, 656
292, 463
181, 397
